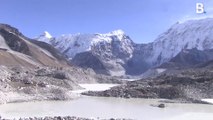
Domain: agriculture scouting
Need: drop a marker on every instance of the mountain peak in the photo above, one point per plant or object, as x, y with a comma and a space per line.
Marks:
118, 32
188, 35
72, 44
45, 37
47, 34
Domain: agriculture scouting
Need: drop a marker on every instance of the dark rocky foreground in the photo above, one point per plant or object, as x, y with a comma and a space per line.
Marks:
64, 118
187, 86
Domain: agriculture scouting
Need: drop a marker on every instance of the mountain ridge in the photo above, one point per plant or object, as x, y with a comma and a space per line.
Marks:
17, 46
132, 58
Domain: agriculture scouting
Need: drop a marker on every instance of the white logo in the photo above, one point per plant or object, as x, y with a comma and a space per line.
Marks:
200, 8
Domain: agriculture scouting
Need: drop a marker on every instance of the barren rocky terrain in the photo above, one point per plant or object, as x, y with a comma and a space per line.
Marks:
34, 70
190, 85
20, 84
64, 118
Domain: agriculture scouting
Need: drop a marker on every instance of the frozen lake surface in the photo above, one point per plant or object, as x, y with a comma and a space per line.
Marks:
103, 107
93, 107
94, 87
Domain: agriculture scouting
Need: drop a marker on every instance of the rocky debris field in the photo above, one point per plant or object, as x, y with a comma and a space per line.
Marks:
19, 84
188, 86
64, 118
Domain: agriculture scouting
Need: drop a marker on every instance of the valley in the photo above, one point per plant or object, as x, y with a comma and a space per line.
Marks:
86, 75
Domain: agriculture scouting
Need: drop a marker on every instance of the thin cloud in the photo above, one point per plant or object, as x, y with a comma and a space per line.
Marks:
187, 18
208, 14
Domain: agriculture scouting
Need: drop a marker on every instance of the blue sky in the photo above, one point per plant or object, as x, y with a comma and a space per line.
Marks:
142, 20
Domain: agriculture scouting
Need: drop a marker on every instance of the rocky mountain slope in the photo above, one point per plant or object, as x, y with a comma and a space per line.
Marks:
188, 58
34, 70
189, 85
16, 50
24, 66
118, 55
184, 44
188, 35
112, 50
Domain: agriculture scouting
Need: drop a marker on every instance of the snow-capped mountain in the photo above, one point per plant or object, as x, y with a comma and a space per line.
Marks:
115, 51
188, 35
113, 48
72, 44
45, 37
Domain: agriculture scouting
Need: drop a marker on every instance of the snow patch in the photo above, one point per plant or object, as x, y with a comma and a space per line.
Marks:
3, 44
47, 34
160, 70
208, 100
94, 87
45, 37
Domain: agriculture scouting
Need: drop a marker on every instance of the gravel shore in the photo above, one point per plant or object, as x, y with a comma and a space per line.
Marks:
187, 87
63, 118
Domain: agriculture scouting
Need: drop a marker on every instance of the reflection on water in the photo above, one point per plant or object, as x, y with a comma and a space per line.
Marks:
93, 107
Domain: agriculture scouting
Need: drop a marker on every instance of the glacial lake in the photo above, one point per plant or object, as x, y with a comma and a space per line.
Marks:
102, 107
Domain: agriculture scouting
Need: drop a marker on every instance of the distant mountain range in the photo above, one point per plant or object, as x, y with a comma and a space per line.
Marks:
47, 68
116, 54
105, 53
